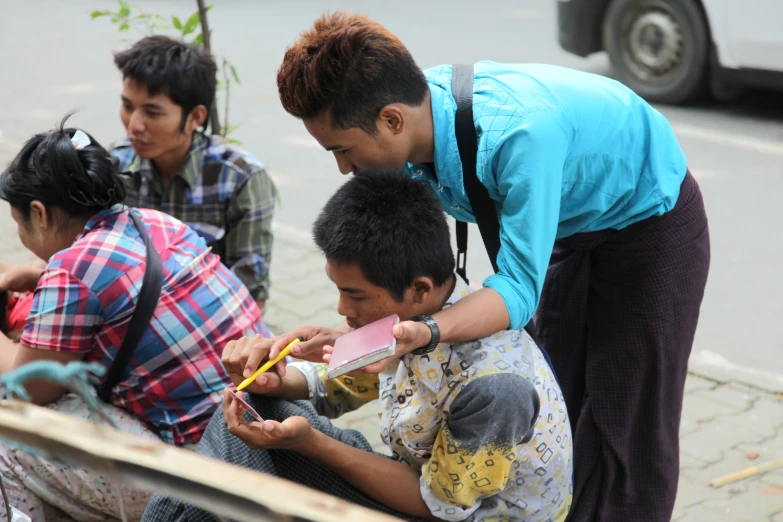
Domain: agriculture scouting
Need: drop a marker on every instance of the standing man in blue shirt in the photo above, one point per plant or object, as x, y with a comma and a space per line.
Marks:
603, 233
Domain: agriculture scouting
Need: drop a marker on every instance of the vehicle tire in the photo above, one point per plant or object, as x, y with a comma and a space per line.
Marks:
658, 48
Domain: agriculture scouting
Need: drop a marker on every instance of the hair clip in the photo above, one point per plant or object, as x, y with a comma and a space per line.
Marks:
84, 201
80, 140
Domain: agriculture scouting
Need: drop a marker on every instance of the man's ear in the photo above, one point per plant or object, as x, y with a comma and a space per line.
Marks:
197, 118
422, 289
392, 118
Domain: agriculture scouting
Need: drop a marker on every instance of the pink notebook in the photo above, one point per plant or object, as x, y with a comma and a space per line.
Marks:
369, 344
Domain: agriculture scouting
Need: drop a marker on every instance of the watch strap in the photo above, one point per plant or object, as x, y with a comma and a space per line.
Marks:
434, 331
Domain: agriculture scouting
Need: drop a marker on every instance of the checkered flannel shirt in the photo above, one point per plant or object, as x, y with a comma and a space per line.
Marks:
85, 298
223, 193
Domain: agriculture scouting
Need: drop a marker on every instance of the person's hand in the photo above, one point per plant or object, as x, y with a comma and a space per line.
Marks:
291, 434
241, 358
19, 278
410, 335
314, 340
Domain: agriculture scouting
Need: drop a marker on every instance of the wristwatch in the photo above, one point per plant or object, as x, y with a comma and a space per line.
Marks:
434, 330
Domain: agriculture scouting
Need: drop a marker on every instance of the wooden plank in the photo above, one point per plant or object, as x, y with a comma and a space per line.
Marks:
221, 488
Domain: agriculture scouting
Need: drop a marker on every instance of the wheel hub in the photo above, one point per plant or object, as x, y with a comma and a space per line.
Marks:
655, 42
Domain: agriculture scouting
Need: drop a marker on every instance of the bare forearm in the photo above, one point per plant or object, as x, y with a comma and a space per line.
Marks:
292, 388
478, 315
34, 272
392, 484
20, 278
8, 354
15, 355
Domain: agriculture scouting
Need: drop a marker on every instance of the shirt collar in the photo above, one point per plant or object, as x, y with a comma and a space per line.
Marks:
429, 368
448, 166
99, 218
191, 166
190, 171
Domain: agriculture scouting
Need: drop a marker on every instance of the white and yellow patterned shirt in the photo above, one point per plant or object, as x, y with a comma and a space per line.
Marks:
484, 421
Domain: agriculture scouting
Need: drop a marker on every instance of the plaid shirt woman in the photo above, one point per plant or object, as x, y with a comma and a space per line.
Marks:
65, 195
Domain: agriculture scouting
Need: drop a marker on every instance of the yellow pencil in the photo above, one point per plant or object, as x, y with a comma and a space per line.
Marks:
282, 355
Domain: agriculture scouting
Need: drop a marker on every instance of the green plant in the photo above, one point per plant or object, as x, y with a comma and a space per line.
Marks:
195, 29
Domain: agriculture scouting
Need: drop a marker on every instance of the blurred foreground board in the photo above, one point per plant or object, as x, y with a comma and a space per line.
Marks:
223, 489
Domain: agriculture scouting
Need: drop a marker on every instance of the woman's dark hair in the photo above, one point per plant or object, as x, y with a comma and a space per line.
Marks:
49, 169
391, 226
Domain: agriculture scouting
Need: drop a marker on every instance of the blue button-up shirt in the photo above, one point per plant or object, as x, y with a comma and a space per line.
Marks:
560, 152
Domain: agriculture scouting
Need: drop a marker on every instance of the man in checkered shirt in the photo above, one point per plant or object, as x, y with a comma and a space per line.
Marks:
223, 193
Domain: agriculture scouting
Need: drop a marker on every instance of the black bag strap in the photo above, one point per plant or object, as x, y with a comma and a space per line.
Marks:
149, 294
480, 202
467, 143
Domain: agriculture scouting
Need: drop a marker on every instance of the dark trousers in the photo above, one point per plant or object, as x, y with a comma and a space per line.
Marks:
618, 314
219, 444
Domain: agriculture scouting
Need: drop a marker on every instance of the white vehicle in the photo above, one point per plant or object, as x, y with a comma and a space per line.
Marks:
671, 50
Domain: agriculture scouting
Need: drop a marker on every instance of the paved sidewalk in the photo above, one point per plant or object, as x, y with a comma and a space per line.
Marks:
723, 422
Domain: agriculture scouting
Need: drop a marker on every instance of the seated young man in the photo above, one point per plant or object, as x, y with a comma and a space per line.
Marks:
222, 192
477, 430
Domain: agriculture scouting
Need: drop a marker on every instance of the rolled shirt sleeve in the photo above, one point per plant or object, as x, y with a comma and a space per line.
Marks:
527, 163
66, 315
333, 397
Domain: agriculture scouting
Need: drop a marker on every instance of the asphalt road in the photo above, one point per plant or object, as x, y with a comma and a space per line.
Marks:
54, 59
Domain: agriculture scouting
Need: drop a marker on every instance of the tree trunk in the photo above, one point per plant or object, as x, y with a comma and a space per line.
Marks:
214, 118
